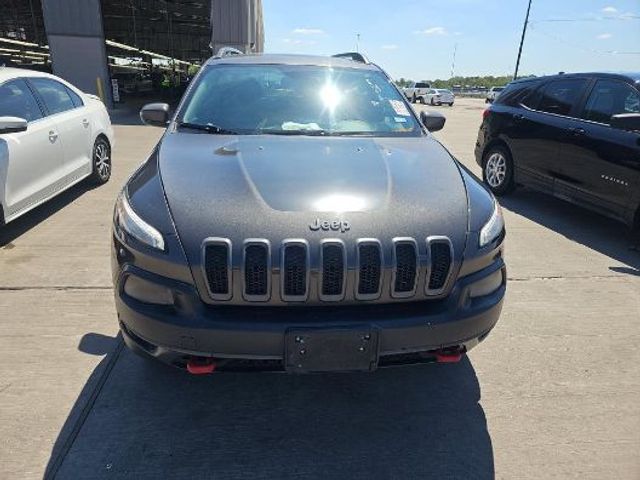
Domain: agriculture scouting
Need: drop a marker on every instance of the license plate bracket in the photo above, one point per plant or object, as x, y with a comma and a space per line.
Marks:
330, 350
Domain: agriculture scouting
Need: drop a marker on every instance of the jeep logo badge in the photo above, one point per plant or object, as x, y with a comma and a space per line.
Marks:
326, 225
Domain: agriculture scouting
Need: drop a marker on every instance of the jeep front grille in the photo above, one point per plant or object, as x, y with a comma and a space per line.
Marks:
217, 267
369, 269
257, 270
330, 271
440, 258
405, 267
333, 270
294, 270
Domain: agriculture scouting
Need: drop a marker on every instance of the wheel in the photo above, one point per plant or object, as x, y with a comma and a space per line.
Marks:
422, 102
433, 102
451, 104
413, 99
497, 170
101, 172
486, 100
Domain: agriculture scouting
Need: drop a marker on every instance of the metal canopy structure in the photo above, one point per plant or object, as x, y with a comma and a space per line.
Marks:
178, 28
86, 41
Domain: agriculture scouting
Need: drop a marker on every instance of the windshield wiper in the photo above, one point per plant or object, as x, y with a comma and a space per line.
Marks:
209, 128
313, 132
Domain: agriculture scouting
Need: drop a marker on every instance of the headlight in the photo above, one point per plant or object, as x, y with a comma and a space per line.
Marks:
493, 228
125, 219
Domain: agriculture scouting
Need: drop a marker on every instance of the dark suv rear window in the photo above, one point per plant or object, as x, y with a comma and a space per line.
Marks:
560, 96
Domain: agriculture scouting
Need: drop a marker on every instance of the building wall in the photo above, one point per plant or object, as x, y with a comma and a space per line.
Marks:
76, 43
238, 24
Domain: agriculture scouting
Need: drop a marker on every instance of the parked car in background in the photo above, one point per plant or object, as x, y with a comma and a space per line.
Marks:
133, 83
574, 136
52, 136
492, 94
445, 97
417, 91
319, 227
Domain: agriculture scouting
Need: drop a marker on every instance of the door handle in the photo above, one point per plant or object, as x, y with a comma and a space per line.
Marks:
85, 122
518, 117
578, 132
53, 136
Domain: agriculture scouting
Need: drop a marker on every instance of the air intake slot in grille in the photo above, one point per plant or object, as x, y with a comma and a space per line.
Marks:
333, 270
257, 270
405, 267
294, 271
441, 256
369, 269
217, 267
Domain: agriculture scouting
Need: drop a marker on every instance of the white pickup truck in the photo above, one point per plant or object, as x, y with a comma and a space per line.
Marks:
416, 91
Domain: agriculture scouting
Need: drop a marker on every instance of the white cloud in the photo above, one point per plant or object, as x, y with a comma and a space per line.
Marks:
389, 47
432, 31
308, 31
604, 36
609, 9
297, 41
629, 16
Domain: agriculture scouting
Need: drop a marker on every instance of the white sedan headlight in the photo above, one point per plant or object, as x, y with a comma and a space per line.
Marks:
125, 219
493, 228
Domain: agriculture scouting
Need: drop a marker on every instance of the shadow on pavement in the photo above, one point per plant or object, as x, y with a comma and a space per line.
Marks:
26, 222
150, 421
597, 232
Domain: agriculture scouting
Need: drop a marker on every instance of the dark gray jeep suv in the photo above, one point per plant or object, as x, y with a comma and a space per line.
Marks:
297, 215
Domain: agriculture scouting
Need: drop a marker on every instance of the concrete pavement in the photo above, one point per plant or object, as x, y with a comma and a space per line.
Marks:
554, 392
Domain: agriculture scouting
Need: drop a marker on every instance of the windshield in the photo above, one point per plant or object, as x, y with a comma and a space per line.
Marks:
297, 100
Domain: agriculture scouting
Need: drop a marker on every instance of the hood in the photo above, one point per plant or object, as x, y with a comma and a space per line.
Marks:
275, 187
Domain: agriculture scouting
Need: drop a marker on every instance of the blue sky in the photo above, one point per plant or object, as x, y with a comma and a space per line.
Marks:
416, 39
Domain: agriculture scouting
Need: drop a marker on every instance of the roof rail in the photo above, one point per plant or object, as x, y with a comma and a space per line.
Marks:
355, 56
228, 52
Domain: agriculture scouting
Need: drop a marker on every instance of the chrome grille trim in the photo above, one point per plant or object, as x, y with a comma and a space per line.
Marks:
283, 252
430, 241
404, 241
220, 242
361, 242
340, 244
267, 245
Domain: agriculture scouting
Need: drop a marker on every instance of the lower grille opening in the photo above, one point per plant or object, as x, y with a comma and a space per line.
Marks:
440, 254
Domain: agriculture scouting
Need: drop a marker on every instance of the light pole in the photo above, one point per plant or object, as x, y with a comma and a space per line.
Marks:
357, 42
453, 63
524, 31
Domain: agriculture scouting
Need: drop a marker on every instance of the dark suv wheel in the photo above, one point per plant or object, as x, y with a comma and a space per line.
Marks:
497, 170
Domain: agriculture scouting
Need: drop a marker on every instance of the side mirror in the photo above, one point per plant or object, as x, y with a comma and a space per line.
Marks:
626, 121
433, 121
12, 125
155, 114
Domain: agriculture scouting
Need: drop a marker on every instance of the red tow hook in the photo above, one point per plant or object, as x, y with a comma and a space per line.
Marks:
448, 356
201, 366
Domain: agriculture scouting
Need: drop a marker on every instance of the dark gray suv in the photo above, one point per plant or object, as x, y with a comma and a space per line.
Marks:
298, 216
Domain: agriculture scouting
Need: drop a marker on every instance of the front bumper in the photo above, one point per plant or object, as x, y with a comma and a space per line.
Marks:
257, 335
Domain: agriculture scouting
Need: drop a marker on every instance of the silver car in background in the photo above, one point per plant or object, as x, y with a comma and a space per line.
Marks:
445, 97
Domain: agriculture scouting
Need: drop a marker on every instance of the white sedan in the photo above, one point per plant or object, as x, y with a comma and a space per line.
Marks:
52, 136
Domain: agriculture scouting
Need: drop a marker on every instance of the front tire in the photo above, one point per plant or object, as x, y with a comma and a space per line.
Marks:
101, 162
498, 171
413, 98
433, 103
422, 102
